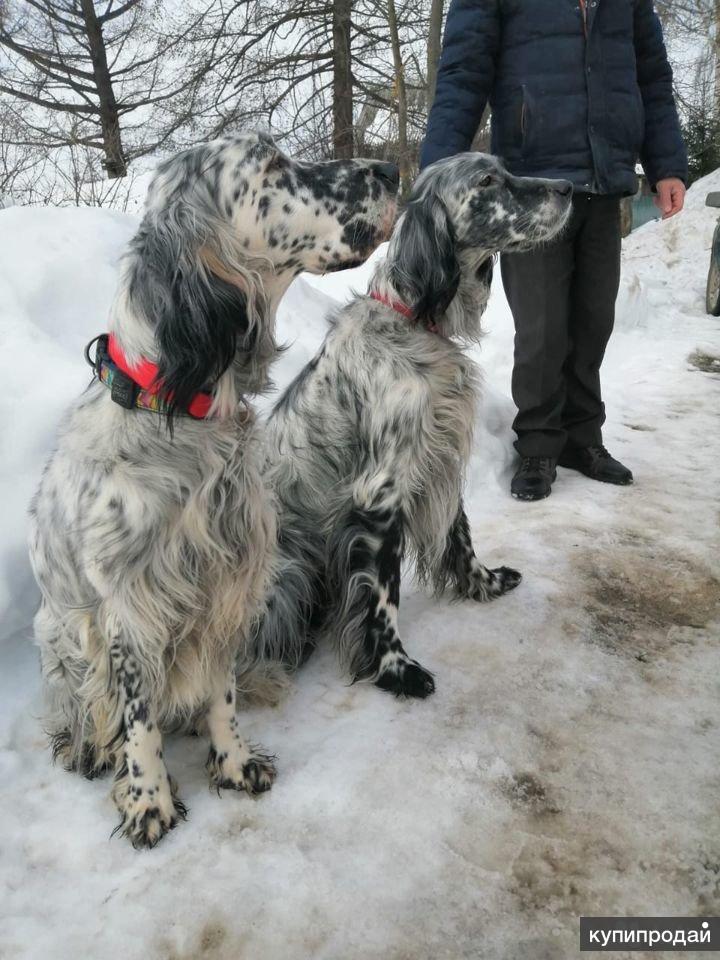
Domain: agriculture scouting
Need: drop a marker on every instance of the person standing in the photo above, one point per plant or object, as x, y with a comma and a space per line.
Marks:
579, 90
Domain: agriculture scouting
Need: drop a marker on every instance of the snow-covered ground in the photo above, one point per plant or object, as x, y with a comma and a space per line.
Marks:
567, 763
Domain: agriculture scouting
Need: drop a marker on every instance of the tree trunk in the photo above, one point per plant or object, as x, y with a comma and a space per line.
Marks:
343, 146
114, 161
716, 52
434, 44
401, 99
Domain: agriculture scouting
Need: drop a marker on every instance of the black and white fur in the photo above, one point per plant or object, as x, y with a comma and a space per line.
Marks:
152, 534
368, 446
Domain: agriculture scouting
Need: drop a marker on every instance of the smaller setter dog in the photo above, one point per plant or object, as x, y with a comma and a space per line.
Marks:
153, 533
368, 446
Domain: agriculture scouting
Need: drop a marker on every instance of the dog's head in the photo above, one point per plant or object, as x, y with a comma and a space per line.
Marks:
227, 226
310, 216
460, 213
285, 215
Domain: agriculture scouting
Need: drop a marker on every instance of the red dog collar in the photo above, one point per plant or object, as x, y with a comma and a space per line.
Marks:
137, 385
396, 305
402, 308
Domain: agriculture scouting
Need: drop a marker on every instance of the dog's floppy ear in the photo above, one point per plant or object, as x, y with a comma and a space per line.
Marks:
484, 272
424, 266
201, 309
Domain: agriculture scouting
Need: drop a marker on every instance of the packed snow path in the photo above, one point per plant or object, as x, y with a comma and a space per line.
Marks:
568, 762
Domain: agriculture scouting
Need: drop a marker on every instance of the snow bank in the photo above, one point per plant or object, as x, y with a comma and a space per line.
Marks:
58, 272
565, 766
666, 263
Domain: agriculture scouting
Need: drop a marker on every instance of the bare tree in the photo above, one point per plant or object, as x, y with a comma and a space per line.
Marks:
17, 163
342, 100
434, 46
95, 73
311, 71
268, 67
692, 28
402, 106
715, 52
124, 78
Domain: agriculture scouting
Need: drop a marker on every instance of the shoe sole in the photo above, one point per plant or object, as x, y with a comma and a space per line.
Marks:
518, 496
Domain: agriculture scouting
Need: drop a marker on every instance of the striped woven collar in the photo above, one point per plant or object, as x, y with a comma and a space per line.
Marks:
136, 386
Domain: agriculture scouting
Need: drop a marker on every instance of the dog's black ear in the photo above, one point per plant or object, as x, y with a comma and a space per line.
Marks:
484, 272
197, 306
424, 266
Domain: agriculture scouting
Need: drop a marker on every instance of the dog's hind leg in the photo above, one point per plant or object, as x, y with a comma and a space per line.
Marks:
232, 763
296, 603
143, 791
463, 570
67, 661
366, 554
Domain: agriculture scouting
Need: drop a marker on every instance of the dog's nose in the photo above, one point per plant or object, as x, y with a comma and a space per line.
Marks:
563, 187
389, 173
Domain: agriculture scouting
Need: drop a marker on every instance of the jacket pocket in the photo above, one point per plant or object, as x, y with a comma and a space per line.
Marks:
523, 119
528, 121
508, 122
639, 127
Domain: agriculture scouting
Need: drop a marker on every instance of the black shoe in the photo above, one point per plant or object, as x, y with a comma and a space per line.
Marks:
596, 463
534, 478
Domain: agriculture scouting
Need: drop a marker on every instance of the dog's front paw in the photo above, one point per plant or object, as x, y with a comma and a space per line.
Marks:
493, 583
506, 579
406, 678
147, 813
251, 771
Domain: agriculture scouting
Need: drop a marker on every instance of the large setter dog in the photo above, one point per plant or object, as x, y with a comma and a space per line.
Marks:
153, 547
368, 446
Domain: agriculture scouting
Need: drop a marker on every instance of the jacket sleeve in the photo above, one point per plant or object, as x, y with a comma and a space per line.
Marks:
663, 152
465, 78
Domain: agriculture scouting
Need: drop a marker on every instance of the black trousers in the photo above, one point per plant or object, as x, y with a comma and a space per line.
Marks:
562, 298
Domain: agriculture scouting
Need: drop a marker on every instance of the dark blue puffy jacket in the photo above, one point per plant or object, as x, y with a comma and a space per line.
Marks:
564, 104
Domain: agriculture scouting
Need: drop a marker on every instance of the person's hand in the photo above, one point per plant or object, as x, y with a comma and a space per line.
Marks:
670, 196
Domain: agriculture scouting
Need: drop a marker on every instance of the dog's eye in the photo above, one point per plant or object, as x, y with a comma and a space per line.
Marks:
276, 162
487, 180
